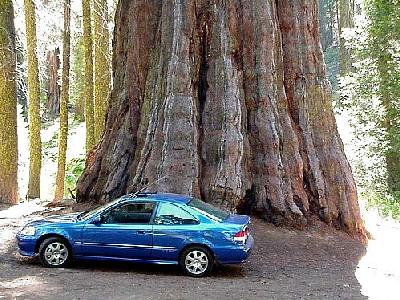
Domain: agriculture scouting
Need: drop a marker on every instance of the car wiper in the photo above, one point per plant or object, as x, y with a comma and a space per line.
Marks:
78, 217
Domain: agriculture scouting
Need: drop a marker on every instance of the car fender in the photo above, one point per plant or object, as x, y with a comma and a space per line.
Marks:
196, 241
44, 233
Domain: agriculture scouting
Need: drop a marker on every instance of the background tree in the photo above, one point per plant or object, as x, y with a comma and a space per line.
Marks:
88, 48
77, 96
346, 20
52, 83
328, 24
384, 42
102, 75
35, 161
228, 102
63, 137
327, 14
22, 81
373, 91
8, 106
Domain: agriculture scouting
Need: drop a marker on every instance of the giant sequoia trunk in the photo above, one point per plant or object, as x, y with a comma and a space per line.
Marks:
227, 101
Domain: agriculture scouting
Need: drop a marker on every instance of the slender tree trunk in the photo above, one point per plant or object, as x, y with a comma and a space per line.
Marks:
392, 155
63, 138
53, 88
323, 23
80, 107
78, 85
35, 148
21, 79
88, 46
326, 20
8, 106
227, 101
346, 20
102, 75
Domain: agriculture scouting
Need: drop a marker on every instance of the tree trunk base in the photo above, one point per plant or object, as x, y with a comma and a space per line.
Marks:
227, 101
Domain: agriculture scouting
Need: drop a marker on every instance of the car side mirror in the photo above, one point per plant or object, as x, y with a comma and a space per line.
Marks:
97, 220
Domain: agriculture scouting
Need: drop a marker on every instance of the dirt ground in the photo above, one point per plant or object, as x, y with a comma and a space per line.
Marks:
285, 264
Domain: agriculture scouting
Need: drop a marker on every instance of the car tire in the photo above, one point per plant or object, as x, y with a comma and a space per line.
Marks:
54, 252
196, 261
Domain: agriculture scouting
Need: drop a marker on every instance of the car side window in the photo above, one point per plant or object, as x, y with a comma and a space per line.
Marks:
169, 214
131, 213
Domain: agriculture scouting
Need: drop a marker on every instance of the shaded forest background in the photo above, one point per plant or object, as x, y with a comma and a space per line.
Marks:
366, 92
360, 41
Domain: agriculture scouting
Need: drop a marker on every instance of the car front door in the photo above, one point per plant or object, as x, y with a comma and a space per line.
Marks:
123, 232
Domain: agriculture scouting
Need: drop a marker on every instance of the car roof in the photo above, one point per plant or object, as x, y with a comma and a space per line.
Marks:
164, 197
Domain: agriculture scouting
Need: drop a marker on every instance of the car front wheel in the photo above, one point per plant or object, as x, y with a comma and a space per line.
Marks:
54, 252
196, 261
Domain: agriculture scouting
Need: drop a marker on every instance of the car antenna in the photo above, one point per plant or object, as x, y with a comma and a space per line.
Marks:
147, 185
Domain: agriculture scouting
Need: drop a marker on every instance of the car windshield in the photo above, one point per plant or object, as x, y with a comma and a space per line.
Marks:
90, 213
208, 209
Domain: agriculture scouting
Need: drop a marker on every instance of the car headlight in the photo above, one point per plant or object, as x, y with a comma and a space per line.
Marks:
28, 230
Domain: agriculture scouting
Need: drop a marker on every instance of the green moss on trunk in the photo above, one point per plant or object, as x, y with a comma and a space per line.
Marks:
88, 46
102, 75
35, 148
8, 106
62, 147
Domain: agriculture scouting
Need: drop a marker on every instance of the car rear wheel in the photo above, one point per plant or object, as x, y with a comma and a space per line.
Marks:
54, 252
196, 261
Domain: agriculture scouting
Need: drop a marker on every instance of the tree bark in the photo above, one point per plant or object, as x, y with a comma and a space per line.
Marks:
63, 139
78, 84
88, 49
227, 101
52, 86
102, 75
35, 148
8, 106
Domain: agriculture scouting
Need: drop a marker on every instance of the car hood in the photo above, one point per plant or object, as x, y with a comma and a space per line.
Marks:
68, 218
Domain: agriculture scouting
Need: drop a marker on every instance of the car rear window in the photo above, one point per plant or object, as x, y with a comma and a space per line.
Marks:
208, 209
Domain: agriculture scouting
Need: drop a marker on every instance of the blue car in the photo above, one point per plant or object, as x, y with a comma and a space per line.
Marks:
155, 228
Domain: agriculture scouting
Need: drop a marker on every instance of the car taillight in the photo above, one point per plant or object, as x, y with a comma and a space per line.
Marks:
241, 236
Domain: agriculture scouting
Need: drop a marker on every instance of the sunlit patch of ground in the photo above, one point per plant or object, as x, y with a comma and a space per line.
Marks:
379, 270
12, 218
21, 287
23, 209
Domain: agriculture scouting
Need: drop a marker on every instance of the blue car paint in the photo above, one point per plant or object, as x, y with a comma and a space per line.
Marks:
148, 243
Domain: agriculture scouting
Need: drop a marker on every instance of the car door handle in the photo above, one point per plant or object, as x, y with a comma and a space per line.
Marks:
144, 231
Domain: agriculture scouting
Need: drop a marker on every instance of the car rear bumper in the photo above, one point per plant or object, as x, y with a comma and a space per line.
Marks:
26, 245
237, 254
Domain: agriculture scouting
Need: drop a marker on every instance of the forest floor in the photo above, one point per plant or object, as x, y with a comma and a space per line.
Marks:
317, 263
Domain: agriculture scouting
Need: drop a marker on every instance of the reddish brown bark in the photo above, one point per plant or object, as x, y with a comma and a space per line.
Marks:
228, 101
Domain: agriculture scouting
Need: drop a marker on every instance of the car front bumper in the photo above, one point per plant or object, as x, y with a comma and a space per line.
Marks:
26, 245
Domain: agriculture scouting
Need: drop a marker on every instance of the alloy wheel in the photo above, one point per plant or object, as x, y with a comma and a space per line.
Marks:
56, 254
196, 262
